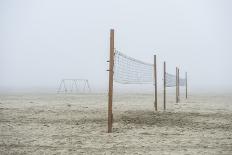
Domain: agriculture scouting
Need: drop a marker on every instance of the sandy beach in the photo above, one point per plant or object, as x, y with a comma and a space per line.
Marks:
77, 124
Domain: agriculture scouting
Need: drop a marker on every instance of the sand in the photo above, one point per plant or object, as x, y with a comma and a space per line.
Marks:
77, 124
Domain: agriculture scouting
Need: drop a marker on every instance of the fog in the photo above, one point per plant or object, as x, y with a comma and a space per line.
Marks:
42, 42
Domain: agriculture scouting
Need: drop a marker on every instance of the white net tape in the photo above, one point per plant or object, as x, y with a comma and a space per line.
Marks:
128, 70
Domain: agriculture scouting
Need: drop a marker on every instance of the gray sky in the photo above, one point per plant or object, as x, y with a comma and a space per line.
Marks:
44, 41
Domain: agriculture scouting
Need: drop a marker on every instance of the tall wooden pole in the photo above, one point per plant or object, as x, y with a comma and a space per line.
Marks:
164, 85
176, 85
110, 94
155, 79
186, 86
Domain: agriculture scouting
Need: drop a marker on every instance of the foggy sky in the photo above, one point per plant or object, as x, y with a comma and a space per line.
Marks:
43, 41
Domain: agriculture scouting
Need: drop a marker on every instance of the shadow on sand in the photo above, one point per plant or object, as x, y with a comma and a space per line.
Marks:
177, 119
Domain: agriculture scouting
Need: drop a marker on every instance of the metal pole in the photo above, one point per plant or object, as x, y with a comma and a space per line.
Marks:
110, 93
76, 86
88, 86
164, 85
155, 79
59, 90
84, 86
65, 89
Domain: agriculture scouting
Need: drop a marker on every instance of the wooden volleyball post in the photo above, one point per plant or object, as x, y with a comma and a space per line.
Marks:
155, 80
176, 85
186, 86
164, 85
179, 85
110, 93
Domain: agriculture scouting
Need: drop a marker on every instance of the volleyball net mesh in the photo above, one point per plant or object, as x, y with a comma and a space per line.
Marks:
182, 82
170, 80
128, 70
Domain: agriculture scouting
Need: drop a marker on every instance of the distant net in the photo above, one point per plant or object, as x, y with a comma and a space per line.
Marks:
182, 82
128, 70
170, 80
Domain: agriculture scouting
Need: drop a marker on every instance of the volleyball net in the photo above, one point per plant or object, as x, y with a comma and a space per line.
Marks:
124, 69
170, 80
182, 81
128, 70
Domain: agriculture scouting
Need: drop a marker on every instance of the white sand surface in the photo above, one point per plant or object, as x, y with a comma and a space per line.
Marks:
77, 124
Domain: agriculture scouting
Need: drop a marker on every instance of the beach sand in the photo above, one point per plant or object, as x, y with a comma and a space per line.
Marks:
77, 124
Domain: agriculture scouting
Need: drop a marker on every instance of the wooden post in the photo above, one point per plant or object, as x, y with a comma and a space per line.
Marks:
110, 94
176, 85
155, 79
186, 86
164, 85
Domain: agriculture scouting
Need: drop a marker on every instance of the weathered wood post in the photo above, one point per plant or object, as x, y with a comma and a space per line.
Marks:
111, 72
164, 85
155, 80
176, 85
186, 86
